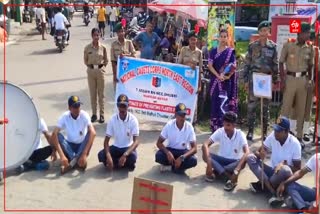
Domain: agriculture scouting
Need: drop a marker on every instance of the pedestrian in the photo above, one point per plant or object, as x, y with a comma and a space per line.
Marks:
124, 127
96, 60
75, 147
223, 86
302, 197
113, 19
149, 42
41, 14
285, 152
101, 18
179, 154
232, 154
298, 56
262, 57
191, 56
119, 48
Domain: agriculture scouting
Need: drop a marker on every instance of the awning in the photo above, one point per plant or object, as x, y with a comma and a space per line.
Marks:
4, 1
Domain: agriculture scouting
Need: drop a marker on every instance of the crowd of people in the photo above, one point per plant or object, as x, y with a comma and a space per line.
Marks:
279, 178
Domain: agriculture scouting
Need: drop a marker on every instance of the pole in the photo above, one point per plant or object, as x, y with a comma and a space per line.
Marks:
262, 164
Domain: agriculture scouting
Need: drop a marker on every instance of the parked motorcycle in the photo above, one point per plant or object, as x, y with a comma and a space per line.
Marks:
26, 17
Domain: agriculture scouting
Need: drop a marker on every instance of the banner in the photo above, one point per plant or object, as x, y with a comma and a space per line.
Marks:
221, 16
155, 88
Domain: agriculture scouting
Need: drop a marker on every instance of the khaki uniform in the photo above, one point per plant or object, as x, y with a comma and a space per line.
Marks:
116, 49
299, 59
96, 59
260, 59
188, 57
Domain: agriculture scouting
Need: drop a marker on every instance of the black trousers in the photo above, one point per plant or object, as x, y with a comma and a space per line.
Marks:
41, 154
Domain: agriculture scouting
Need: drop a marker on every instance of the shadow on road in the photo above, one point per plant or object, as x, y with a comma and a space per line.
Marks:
53, 81
46, 52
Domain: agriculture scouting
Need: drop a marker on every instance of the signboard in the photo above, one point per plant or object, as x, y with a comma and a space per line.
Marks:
303, 7
221, 16
155, 88
149, 196
262, 85
283, 34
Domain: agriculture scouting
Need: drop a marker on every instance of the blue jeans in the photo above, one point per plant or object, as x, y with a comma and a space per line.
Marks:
116, 154
72, 150
188, 163
268, 174
221, 164
302, 196
112, 24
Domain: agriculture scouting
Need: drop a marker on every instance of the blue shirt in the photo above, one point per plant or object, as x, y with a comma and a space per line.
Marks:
147, 44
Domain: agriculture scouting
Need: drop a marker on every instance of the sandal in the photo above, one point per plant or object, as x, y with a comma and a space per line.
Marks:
229, 186
65, 169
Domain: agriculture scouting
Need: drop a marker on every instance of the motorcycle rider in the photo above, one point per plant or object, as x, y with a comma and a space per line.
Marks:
61, 23
85, 10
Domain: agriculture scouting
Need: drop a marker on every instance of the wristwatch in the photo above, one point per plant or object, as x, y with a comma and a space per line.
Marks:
126, 154
236, 172
182, 158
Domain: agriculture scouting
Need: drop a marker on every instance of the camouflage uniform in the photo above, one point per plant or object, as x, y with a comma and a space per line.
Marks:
259, 59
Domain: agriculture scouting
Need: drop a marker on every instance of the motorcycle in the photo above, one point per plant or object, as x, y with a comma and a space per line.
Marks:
27, 16
60, 39
86, 19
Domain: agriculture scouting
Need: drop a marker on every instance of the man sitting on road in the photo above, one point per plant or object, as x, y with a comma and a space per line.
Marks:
285, 152
149, 42
124, 127
303, 198
179, 154
233, 152
74, 149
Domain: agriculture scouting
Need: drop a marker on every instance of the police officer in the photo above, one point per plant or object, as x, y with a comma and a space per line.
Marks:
120, 47
262, 57
191, 55
298, 55
96, 60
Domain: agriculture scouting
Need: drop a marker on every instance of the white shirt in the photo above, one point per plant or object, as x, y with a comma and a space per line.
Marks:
289, 151
41, 14
113, 14
178, 139
108, 10
60, 20
312, 166
43, 129
76, 129
123, 130
230, 148
38, 13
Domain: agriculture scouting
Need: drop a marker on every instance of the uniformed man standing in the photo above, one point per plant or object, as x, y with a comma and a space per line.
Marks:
120, 47
96, 60
262, 57
298, 55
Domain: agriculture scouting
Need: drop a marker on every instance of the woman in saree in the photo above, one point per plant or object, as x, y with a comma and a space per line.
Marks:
223, 81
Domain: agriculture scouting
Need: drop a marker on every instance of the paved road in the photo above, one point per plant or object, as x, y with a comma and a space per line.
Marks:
50, 78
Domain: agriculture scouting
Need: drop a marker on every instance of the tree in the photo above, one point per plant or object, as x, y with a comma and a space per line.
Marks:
250, 12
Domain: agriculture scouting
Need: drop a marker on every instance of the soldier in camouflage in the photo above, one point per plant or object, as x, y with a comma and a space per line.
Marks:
262, 57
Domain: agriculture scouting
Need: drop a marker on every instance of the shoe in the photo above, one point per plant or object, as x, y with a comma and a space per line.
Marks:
288, 202
275, 201
256, 187
94, 118
43, 165
101, 120
73, 162
164, 168
209, 179
229, 186
250, 136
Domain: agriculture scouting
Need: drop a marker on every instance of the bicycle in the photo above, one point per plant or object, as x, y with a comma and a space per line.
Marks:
203, 95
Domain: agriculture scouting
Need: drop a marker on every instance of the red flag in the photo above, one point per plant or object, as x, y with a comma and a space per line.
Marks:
196, 28
316, 27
